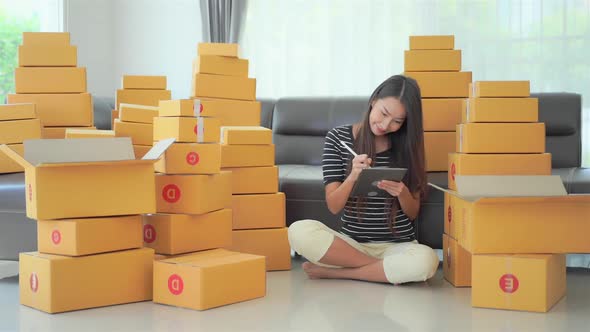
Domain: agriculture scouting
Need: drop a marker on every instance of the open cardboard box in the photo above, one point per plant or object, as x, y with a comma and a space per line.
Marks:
519, 214
91, 177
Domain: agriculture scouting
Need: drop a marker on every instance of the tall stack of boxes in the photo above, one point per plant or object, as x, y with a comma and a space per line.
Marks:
18, 122
87, 196
140, 90
434, 63
48, 77
508, 222
137, 122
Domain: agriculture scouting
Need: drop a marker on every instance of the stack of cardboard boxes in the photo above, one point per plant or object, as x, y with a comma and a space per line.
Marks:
18, 122
508, 222
48, 77
434, 63
87, 196
137, 122
140, 90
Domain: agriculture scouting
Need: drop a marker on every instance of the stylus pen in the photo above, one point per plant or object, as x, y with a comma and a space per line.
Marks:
350, 150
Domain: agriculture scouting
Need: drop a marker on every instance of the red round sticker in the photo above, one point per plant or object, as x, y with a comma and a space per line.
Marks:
30, 192
453, 171
175, 284
56, 237
200, 108
509, 283
171, 193
34, 282
450, 214
149, 234
196, 129
192, 158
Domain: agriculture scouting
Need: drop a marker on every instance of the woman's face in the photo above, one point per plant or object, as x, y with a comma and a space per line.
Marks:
387, 116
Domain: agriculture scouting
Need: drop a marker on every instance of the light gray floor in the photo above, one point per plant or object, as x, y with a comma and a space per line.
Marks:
295, 303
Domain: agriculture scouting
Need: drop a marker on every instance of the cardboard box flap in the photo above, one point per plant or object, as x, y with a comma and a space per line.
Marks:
158, 149
45, 151
46, 256
99, 163
568, 199
14, 156
472, 187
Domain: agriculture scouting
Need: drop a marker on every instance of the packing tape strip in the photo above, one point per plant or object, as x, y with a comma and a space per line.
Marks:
468, 101
196, 107
200, 129
507, 295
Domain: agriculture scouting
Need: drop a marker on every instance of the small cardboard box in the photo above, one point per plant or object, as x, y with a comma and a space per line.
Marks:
258, 211
229, 112
500, 89
173, 234
271, 243
220, 49
53, 283
497, 164
456, 263
246, 135
220, 65
60, 132
60, 110
137, 113
17, 111
90, 177
500, 138
441, 114
442, 42
87, 236
50, 79
519, 214
86, 133
209, 279
17, 131
227, 87
518, 282
132, 82
191, 158
46, 38
187, 130
437, 146
140, 133
254, 180
47, 56
142, 97
432, 60
247, 155
500, 110
7, 165
192, 194
442, 84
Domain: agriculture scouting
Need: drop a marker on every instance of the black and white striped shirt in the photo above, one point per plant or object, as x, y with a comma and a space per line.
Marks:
373, 225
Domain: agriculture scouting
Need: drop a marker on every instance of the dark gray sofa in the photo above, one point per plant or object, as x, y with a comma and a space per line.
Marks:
299, 127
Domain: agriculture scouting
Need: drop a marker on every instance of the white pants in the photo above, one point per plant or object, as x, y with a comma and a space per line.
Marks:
402, 262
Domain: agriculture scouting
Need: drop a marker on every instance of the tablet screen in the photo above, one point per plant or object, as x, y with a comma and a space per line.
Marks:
366, 184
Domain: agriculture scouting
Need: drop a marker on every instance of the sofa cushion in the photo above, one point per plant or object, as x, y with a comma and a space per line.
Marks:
12, 193
580, 181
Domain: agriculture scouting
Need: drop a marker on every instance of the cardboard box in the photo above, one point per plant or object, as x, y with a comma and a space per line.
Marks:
519, 214
497, 164
60, 132
60, 110
500, 138
220, 65
173, 234
432, 60
91, 177
442, 84
456, 263
500, 89
246, 135
500, 110
452, 207
137, 113
47, 56
140, 133
17, 112
441, 114
144, 82
209, 279
254, 180
191, 158
187, 130
221, 49
258, 211
87, 236
191, 194
114, 115
227, 87
271, 243
247, 155
50, 79
229, 112
17, 131
141, 150
46, 38
437, 146
7, 165
142, 97
53, 283
442, 42
85, 133
518, 282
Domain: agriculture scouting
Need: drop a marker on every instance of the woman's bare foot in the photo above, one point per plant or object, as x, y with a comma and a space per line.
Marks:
319, 272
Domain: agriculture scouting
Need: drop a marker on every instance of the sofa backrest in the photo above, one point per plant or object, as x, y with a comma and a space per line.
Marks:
301, 124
